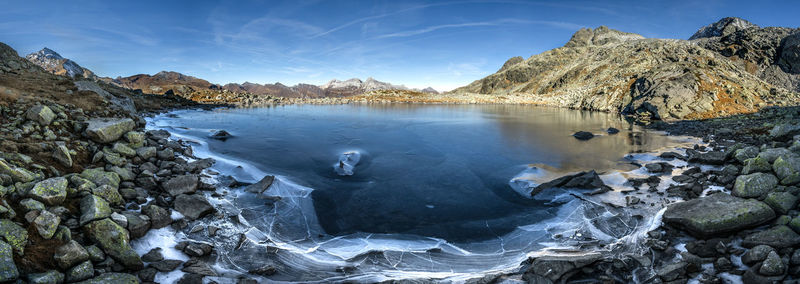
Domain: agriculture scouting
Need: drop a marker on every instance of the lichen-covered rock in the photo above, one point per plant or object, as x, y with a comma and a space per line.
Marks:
781, 202
773, 154
106, 130
52, 191
756, 165
125, 174
181, 185
29, 204
112, 277
135, 139
717, 215
124, 150
100, 177
62, 156
70, 254
95, 253
109, 193
17, 174
114, 158
754, 185
778, 237
40, 114
93, 208
14, 235
772, 266
48, 277
787, 168
146, 152
114, 240
192, 206
46, 224
82, 271
8, 269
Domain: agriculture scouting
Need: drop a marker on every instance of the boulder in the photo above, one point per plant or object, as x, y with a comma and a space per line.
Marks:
16, 174
8, 269
46, 224
82, 271
114, 240
62, 156
112, 277
135, 139
756, 254
123, 149
95, 253
48, 277
221, 135
52, 191
181, 185
787, 168
785, 131
93, 208
40, 114
166, 265
70, 254
659, 167
717, 215
754, 185
29, 204
100, 177
146, 152
106, 130
261, 186
199, 267
778, 237
583, 135
781, 202
192, 206
14, 235
773, 154
153, 255
137, 226
159, 217
745, 153
582, 180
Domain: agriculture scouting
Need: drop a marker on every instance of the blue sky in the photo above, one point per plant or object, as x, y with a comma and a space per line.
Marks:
443, 44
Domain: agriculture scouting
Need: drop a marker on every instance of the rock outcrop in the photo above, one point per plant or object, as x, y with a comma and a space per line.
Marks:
54, 63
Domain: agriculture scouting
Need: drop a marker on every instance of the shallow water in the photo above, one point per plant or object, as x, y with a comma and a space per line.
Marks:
426, 182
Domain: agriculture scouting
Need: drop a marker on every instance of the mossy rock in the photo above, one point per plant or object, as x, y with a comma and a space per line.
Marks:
754, 185
115, 242
135, 139
778, 237
756, 165
49, 277
82, 271
106, 130
717, 215
787, 168
14, 235
40, 114
16, 174
123, 149
46, 224
781, 202
112, 277
93, 208
746, 153
51, 191
99, 177
8, 269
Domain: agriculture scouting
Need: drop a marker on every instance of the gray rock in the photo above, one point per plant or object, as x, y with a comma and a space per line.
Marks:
166, 265
48, 277
148, 274
787, 168
167, 154
82, 271
199, 267
790, 54
146, 152
671, 272
124, 103
109, 193
723, 27
106, 130
777, 237
181, 185
100, 177
772, 266
754, 185
710, 158
93, 208
51, 191
198, 249
773, 154
192, 206
582, 180
95, 253
190, 278
159, 217
112, 277
261, 186
114, 240
62, 156
17, 174
8, 269
153, 255
781, 202
123, 149
137, 226
135, 139
40, 114
784, 131
29, 204
717, 215
583, 135
119, 219
756, 254
554, 267
46, 224
125, 174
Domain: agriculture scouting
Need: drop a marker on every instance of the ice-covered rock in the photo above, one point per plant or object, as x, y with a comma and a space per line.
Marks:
347, 162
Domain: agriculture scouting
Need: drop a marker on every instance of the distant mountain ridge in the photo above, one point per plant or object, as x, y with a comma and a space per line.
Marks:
180, 84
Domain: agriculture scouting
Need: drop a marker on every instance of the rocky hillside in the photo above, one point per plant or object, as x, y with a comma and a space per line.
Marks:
54, 63
729, 67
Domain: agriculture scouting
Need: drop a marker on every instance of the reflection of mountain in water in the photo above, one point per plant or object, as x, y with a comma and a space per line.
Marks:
547, 132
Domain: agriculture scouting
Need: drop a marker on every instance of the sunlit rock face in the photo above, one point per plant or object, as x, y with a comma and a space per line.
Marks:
54, 63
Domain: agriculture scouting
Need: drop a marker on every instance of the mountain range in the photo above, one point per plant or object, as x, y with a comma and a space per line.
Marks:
185, 85
729, 67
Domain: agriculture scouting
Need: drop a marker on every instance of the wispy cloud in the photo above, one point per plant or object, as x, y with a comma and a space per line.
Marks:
564, 25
